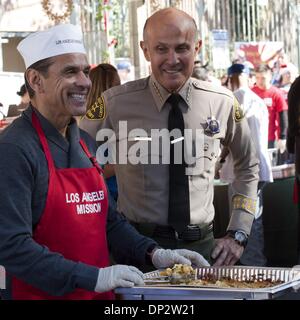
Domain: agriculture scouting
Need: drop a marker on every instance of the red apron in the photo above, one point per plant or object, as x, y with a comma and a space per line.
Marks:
73, 222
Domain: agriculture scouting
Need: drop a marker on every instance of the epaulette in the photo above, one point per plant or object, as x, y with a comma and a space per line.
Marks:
238, 113
128, 87
210, 87
98, 110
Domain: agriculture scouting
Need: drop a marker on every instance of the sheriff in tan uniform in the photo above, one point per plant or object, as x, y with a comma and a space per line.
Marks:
144, 186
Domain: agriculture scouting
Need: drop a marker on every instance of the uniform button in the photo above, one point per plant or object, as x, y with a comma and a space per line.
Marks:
212, 154
205, 146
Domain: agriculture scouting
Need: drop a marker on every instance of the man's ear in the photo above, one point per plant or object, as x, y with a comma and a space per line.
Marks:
34, 79
198, 46
145, 50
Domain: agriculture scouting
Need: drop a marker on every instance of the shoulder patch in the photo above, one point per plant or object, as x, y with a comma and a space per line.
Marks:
237, 110
241, 202
97, 111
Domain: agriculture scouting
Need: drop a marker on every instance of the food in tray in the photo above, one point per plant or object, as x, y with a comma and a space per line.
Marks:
186, 275
179, 274
232, 283
178, 269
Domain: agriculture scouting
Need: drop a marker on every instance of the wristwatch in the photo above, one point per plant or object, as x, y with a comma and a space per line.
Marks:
239, 236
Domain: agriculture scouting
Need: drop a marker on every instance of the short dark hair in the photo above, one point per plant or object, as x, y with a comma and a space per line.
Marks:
22, 90
238, 68
262, 68
41, 66
200, 72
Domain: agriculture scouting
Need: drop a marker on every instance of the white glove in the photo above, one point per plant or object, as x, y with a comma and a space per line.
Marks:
281, 145
162, 258
118, 276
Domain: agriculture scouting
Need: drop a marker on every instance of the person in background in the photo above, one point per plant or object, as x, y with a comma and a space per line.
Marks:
224, 80
103, 77
200, 71
277, 107
282, 62
57, 221
173, 202
293, 131
15, 110
293, 141
256, 113
252, 78
23, 93
204, 73
124, 69
288, 75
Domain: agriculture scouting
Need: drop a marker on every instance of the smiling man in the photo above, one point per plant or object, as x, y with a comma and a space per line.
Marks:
56, 218
173, 202
171, 48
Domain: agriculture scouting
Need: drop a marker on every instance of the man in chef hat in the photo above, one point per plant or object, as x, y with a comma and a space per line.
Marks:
56, 216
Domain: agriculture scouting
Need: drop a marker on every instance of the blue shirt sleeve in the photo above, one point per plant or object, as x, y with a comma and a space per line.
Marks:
19, 253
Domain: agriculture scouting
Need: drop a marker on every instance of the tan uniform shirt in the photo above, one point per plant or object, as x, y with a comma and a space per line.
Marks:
144, 188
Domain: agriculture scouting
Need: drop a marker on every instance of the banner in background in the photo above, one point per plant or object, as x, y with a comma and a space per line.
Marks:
220, 49
257, 53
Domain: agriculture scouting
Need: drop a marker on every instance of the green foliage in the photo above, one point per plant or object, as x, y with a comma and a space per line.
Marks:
101, 8
119, 23
120, 28
105, 56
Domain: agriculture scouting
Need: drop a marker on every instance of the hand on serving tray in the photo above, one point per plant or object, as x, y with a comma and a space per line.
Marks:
226, 252
164, 258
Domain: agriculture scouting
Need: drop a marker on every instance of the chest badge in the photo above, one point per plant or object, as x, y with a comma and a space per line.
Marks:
212, 126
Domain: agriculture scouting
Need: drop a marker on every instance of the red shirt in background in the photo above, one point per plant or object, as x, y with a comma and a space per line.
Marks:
274, 100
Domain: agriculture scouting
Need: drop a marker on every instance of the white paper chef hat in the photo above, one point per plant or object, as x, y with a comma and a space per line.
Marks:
60, 39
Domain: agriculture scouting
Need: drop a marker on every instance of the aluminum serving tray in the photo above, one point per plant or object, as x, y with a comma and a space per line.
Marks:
165, 291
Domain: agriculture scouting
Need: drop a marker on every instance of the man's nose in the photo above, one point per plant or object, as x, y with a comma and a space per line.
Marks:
172, 57
83, 80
